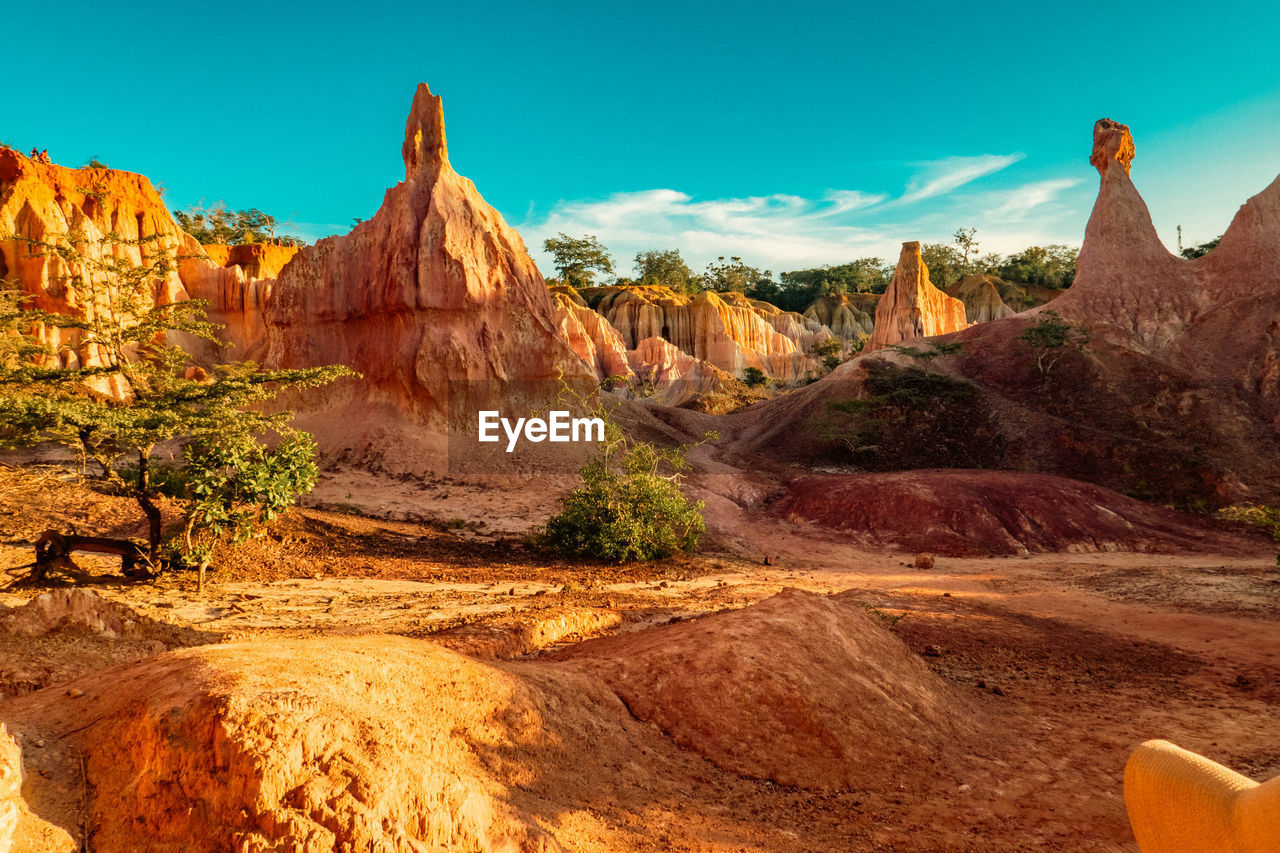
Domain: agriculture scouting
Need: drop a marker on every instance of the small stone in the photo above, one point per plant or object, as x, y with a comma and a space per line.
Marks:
75, 692
924, 561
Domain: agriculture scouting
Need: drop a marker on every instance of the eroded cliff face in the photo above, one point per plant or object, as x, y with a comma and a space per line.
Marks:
596, 342
435, 288
44, 202
981, 297
847, 315
726, 330
256, 260
671, 376
912, 307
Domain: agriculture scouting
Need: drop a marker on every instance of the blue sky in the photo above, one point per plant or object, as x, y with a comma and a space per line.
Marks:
789, 134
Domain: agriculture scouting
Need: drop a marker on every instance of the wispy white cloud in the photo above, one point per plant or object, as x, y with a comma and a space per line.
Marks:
774, 231
940, 177
842, 201
312, 231
1020, 201
782, 231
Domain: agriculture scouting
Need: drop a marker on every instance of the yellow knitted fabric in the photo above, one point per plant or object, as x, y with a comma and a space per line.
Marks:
1180, 802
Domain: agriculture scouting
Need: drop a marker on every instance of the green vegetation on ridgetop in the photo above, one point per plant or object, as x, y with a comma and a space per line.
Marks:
218, 225
578, 260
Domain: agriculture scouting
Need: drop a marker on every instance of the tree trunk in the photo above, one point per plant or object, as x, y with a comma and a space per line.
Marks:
143, 496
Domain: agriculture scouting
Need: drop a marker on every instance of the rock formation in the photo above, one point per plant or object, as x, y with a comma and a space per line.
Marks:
1175, 398
1215, 315
674, 376
751, 691
434, 289
40, 201
590, 335
981, 297
847, 315
387, 743
256, 260
727, 330
912, 307
44, 202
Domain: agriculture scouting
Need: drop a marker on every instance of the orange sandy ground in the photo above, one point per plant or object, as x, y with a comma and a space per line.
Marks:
1079, 656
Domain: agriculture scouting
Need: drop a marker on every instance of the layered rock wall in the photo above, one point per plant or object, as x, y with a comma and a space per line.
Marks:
846, 315
729, 331
120, 213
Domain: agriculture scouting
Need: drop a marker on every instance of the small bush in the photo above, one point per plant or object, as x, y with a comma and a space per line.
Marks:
828, 351
1261, 516
1050, 338
910, 418
628, 510
754, 376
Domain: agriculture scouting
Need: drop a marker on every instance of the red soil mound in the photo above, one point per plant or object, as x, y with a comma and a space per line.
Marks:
801, 688
974, 512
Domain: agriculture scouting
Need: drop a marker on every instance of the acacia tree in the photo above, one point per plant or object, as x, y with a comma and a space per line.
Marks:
117, 390
663, 267
733, 275
578, 260
217, 224
966, 239
1050, 338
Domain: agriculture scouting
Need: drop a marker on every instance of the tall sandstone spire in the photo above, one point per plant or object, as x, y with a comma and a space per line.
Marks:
912, 307
434, 289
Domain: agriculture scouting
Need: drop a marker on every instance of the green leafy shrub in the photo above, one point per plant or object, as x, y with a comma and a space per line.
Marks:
1265, 517
829, 352
629, 507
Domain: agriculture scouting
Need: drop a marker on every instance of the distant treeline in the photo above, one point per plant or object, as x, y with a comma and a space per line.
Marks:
579, 260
